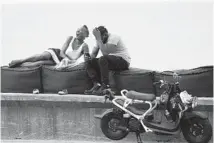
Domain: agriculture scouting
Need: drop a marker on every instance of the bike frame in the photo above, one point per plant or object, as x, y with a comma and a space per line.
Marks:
129, 101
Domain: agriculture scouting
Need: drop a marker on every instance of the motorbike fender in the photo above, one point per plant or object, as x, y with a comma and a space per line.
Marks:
189, 115
100, 116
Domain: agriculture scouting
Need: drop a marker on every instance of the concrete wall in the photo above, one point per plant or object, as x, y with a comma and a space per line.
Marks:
67, 117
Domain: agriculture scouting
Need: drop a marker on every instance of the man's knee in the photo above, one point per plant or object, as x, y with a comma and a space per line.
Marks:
103, 59
92, 62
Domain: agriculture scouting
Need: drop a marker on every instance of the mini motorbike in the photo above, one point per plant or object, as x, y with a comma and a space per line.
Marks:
118, 122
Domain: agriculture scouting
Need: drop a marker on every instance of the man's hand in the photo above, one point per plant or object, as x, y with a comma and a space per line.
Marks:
97, 34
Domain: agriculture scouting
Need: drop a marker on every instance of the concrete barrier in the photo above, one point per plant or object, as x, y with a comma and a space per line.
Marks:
65, 117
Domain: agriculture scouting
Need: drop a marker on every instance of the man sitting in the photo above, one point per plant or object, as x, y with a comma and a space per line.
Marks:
115, 57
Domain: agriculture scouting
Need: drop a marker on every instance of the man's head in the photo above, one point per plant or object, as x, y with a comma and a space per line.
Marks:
82, 32
104, 33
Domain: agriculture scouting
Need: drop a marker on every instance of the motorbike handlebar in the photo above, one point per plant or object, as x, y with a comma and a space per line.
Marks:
160, 82
155, 83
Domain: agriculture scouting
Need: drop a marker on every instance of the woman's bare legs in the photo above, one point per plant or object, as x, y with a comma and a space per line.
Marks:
38, 57
37, 63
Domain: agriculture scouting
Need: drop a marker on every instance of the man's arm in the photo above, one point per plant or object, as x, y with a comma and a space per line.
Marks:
95, 52
65, 46
120, 44
99, 43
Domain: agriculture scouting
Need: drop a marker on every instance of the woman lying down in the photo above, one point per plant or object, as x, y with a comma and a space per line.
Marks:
66, 58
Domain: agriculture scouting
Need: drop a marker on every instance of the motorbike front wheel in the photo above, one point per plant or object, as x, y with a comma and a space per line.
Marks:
110, 124
197, 130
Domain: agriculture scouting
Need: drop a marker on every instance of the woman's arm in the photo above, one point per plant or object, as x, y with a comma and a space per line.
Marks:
65, 47
85, 48
85, 52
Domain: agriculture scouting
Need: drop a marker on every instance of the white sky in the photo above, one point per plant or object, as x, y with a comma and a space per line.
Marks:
159, 36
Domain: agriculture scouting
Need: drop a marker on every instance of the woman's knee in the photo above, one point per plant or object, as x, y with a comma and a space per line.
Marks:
45, 55
36, 57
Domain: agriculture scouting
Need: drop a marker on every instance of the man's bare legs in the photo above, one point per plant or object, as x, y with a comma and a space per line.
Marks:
35, 58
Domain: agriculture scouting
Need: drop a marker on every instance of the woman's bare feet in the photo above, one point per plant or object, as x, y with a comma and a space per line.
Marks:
15, 63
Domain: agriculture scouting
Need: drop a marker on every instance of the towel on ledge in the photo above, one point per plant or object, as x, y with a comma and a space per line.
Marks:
66, 64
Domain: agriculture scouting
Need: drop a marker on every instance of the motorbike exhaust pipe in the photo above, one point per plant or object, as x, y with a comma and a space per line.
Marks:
98, 116
122, 128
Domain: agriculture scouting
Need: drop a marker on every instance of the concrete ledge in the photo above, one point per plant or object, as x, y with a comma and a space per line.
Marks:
73, 141
89, 101
67, 117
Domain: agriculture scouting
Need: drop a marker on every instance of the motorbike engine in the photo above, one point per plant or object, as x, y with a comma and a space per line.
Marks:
174, 106
134, 125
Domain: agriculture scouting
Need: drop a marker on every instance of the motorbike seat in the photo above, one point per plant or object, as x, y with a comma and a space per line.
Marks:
140, 96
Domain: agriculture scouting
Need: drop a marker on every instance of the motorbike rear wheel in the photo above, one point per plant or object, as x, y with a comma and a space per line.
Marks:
109, 124
197, 130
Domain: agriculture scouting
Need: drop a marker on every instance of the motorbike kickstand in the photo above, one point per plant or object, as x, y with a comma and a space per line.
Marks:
138, 137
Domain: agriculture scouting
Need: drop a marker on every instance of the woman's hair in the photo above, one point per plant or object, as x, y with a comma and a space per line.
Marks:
102, 30
86, 30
